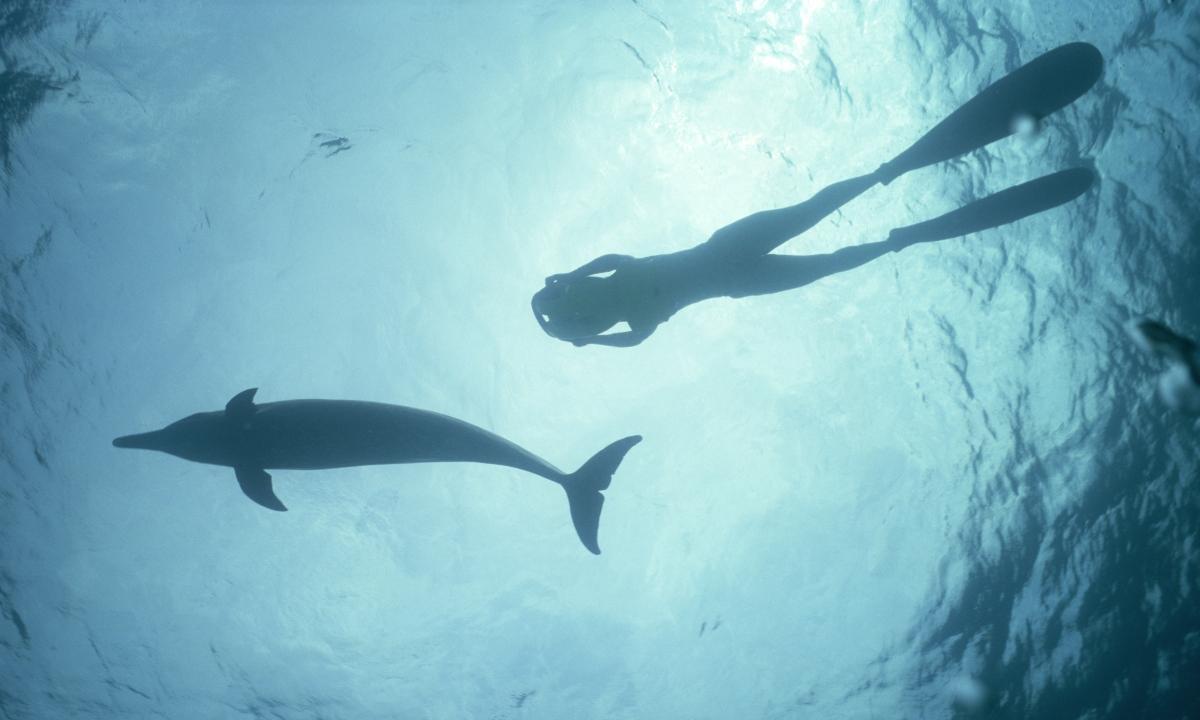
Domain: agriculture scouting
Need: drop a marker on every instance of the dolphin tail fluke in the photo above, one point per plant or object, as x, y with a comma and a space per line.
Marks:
584, 485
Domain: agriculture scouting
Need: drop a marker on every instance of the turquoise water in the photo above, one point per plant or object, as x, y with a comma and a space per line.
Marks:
939, 485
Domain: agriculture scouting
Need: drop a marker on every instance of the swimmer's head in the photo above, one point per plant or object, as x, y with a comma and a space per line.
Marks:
565, 312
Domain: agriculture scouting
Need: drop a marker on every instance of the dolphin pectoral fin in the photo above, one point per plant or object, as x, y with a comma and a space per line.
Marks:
584, 485
256, 483
241, 406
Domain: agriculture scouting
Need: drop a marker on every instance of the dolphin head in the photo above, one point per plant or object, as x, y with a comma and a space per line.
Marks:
203, 437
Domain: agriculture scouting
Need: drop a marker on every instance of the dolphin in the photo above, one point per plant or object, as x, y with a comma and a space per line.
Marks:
321, 434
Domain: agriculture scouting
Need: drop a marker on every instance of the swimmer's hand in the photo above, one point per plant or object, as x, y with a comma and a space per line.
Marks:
602, 264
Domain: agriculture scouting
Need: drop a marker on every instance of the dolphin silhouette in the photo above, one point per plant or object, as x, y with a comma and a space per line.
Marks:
321, 434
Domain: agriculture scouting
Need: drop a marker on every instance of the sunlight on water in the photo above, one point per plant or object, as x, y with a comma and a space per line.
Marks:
883, 474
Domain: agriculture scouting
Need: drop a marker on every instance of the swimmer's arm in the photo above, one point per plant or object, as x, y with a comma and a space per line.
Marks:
602, 264
618, 339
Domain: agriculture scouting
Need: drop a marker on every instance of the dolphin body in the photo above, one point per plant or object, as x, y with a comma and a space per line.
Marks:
321, 434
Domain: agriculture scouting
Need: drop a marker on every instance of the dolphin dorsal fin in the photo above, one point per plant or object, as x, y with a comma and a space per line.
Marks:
241, 406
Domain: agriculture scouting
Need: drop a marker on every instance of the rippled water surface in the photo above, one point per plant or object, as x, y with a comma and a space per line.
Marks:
939, 485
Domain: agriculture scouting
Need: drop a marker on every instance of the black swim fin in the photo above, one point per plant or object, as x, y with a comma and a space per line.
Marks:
256, 483
1045, 84
1008, 205
584, 485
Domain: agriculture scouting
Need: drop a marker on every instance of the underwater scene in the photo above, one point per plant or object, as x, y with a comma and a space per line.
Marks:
737, 359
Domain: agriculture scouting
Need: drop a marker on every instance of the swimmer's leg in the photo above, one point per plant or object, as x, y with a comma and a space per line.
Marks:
762, 232
776, 273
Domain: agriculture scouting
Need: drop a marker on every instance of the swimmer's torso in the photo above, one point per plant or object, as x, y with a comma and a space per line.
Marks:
650, 290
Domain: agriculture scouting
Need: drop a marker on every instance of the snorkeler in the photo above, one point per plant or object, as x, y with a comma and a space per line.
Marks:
1179, 384
580, 306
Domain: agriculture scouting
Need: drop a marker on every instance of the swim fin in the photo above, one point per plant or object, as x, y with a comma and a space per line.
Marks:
1047, 83
584, 485
1008, 205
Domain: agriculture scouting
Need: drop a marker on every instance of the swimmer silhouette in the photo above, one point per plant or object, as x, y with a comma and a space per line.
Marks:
321, 434
581, 307
1179, 384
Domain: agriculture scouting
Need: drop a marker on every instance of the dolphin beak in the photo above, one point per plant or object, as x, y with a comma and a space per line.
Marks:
142, 441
